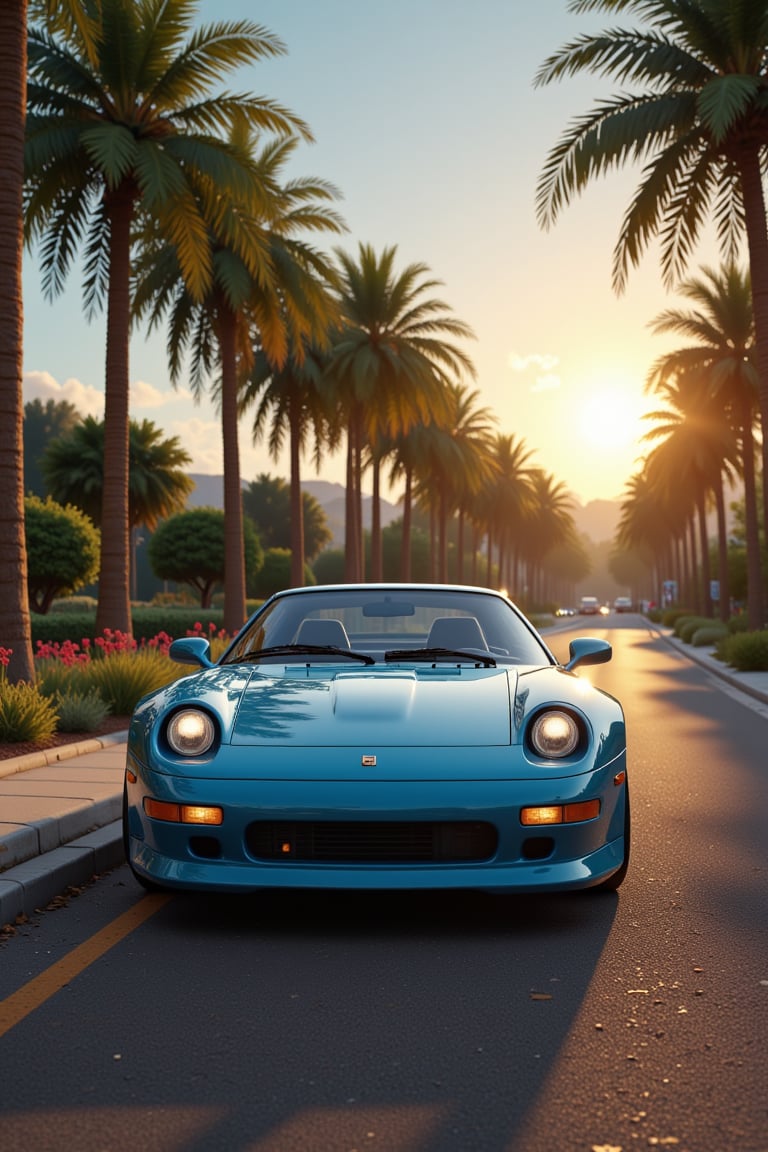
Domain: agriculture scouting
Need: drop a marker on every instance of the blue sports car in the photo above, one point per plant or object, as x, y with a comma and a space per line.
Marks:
380, 736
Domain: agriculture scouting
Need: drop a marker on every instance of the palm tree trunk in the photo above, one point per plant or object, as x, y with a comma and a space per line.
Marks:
757, 240
442, 527
751, 528
351, 541
359, 501
724, 600
15, 628
377, 561
114, 608
297, 500
706, 574
234, 556
405, 544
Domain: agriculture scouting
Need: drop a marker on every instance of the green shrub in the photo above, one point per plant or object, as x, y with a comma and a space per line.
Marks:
688, 630
745, 651
25, 714
56, 628
122, 679
681, 621
670, 616
708, 635
80, 712
55, 678
739, 623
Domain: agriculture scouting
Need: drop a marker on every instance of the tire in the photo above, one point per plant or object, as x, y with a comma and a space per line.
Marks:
614, 882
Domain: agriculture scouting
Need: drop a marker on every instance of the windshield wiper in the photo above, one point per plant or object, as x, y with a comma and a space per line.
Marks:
303, 650
435, 654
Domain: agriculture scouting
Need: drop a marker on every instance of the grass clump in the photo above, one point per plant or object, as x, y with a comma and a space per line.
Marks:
80, 711
123, 678
25, 714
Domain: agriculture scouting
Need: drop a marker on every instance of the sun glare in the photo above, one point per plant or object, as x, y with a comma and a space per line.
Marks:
610, 420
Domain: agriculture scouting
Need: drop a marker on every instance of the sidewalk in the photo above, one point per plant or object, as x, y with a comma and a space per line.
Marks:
59, 821
60, 811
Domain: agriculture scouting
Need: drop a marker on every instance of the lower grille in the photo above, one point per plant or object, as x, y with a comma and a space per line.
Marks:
371, 842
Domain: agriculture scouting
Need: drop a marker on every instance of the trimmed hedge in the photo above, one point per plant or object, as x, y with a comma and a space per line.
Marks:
147, 623
745, 651
708, 635
687, 629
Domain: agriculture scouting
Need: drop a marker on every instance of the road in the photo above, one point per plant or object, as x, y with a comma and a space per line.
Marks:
334, 1023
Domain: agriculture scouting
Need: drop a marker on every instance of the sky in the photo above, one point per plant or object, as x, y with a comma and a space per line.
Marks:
426, 118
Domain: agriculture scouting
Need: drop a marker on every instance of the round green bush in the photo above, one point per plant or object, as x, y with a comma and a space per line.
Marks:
746, 651
687, 630
708, 635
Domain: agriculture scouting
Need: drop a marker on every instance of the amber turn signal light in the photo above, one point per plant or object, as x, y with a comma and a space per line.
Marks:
182, 813
559, 813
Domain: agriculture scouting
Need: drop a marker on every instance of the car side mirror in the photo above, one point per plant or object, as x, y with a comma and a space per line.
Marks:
191, 650
588, 650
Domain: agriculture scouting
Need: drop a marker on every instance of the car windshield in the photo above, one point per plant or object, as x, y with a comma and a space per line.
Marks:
392, 624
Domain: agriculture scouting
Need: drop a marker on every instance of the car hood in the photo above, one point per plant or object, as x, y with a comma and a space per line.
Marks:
431, 707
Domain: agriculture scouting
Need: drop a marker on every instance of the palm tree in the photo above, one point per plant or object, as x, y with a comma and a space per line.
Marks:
644, 526
158, 485
687, 465
548, 524
270, 295
294, 398
121, 130
698, 121
720, 363
505, 506
478, 463
15, 626
389, 365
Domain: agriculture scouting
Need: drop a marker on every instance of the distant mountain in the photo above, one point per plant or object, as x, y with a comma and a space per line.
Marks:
598, 519
208, 491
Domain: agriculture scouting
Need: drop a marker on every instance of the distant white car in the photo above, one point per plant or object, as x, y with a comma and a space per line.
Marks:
622, 604
589, 606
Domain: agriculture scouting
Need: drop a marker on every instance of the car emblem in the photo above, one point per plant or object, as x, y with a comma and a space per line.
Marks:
369, 761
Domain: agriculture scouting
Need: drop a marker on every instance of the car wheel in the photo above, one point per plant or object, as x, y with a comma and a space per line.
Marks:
614, 882
148, 885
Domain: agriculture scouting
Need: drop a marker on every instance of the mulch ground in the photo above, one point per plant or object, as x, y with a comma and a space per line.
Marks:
111, 724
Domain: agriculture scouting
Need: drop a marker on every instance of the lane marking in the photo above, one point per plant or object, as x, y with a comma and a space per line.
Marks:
32, 995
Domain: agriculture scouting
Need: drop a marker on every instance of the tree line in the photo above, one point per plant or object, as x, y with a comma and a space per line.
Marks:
116, 148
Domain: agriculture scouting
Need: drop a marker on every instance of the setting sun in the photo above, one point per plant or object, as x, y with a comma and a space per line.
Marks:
611, 419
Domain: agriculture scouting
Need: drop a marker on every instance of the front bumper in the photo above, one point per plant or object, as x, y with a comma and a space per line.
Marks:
524, 859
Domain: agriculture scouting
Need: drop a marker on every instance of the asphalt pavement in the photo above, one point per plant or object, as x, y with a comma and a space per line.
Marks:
60, 810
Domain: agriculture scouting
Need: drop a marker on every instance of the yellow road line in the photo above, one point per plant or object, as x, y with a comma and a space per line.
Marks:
18, 1005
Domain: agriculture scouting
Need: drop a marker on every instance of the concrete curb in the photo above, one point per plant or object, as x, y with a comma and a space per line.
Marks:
62, 851
710, 662
61, 752
27, 888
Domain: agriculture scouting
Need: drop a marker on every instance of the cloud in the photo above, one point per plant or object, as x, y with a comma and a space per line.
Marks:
546, 383
42, 386
202, 439
543, 363
144, 395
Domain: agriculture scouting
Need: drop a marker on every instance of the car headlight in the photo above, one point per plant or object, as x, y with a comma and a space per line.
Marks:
190, 732
554, 734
